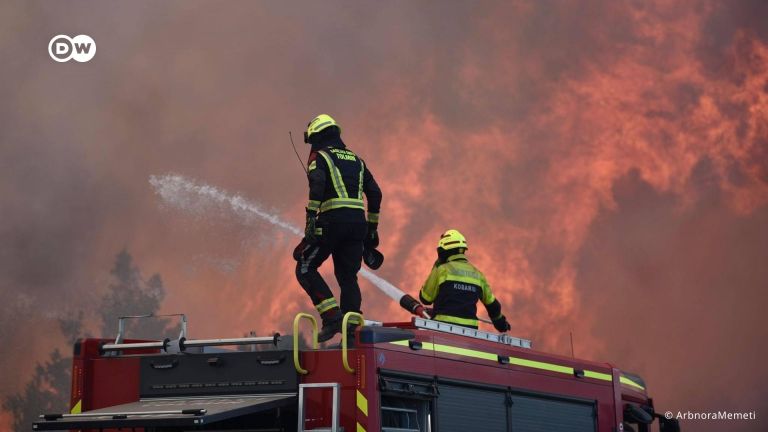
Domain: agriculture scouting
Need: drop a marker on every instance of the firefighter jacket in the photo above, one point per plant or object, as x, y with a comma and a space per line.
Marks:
338, 178
454, 287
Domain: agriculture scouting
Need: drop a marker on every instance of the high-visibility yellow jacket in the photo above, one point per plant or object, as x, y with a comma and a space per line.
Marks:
454, 287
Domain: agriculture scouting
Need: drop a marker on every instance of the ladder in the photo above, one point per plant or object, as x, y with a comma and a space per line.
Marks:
334, 414
469, 332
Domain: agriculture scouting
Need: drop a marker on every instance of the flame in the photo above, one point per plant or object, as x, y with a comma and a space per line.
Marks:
6, 419
549, 133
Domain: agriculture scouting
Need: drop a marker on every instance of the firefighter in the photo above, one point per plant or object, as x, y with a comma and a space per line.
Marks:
336, 223
454, 286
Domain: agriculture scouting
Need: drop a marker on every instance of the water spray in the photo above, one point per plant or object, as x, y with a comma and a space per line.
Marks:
191, 196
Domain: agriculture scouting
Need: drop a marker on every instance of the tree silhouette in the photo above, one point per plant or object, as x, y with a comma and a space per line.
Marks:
48, 389
130, 295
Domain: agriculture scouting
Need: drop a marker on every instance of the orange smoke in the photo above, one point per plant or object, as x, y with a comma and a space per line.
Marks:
606, 161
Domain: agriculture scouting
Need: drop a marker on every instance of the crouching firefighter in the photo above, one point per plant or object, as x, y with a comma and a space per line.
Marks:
454, 286
336, 223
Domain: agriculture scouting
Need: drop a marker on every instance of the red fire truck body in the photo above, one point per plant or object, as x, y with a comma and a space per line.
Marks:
402, 377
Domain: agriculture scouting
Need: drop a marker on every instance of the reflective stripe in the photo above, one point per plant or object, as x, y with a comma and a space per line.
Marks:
456, 320
360, 183
312, 166
490, 298
335, 203
465, 352
78, 408
338, 183
342, 186
313, 205
452, 277
306, 260
360, 428
598, 375
551, 367
362, 403
373, 217
318, 126
326, 305
626, 381
541, 365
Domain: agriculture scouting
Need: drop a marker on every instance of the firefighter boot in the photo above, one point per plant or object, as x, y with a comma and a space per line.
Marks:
331, 326
352, 325
351, 334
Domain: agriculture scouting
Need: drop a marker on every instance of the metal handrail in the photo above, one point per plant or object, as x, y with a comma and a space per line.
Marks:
121, 324
183, 344
274, 339
344, 343
296, 320
194, 412
160, 345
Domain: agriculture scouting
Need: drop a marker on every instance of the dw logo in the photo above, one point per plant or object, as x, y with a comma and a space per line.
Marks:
81, 48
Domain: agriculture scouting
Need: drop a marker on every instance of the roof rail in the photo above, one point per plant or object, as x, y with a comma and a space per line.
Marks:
121, 324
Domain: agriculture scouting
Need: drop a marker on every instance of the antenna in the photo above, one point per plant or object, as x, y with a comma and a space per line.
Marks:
297, 153
572, 354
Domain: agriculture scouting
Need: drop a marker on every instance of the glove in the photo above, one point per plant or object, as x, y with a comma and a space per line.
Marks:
309, 229
373, 258
501, 324
419, 312
372, 236
299, 250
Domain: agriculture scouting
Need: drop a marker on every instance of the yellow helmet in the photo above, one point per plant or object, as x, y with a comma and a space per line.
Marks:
323, 121
452, 239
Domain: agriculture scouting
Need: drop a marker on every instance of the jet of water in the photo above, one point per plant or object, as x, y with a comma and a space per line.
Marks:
200, 198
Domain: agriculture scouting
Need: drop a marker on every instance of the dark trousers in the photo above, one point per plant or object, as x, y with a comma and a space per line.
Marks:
344, 242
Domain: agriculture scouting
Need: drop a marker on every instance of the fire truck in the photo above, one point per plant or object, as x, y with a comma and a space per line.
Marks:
415, 376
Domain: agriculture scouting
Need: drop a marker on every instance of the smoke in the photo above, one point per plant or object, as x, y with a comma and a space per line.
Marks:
607, 161
201, 198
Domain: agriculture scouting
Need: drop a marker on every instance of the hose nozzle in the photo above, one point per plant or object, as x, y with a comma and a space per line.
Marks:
413, 306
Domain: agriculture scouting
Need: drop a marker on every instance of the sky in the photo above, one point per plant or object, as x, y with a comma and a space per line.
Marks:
607, 162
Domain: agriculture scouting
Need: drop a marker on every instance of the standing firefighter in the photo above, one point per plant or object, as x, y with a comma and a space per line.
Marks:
336, 222
454, 286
